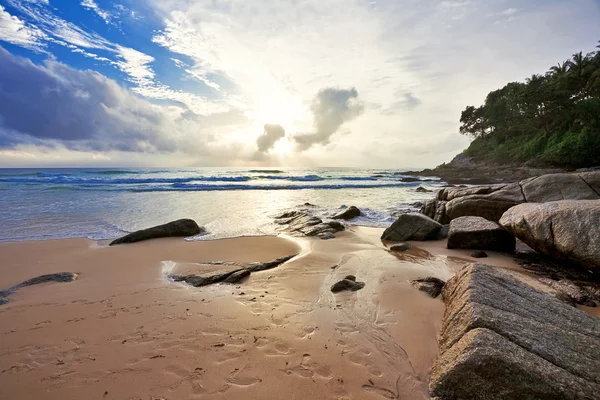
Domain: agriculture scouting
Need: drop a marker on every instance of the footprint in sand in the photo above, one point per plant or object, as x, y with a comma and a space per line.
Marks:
309, 369
306, 331
273, 347
193, 379
242, 377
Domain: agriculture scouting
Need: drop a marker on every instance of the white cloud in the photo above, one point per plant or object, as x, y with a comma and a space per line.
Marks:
91, 5
15, 31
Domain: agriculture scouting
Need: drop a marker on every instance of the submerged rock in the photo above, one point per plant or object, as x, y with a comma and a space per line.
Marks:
237, 276
503, 339
349, 213
348, 283
430, 285
479, 234
566, 229
179, 228
421, 189
412, 226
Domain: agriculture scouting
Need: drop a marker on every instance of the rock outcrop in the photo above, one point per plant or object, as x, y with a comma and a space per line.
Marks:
349, 213
568, 230
503, 339
179, 228
479, 234
349, 283
300, 223
412, 226
400, 247
430, 285
491, 201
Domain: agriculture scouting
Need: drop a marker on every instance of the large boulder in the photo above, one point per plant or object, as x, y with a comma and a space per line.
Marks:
479, 234
503, 339
491, 201
349, 213
567, 229
179, 228
412, 226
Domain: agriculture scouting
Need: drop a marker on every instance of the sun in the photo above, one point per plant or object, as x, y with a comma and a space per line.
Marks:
279, 108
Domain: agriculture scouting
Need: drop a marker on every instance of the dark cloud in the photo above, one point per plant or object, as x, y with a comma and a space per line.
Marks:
55, 105
331, 108
408, 101
272, 134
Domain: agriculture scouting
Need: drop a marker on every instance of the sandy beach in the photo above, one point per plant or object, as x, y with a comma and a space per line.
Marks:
121, 330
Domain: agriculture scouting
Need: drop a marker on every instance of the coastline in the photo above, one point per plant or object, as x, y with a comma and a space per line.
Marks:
280, 333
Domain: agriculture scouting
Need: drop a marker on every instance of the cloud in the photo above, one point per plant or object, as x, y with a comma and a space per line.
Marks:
54, 105
91, 5
15, 31
270, 136
331, 108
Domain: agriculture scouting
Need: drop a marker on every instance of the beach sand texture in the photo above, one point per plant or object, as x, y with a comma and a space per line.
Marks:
123, 331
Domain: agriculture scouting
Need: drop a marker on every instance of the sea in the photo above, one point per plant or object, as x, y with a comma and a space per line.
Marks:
38, 204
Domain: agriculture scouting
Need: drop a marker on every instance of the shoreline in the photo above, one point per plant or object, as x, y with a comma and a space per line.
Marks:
279, 333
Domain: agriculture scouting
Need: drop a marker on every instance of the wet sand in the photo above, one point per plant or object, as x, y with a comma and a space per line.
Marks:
123, 331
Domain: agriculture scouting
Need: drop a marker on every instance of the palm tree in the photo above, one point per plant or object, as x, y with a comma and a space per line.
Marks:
560, 69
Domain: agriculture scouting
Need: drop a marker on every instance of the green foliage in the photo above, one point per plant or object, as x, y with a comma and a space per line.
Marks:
554, 118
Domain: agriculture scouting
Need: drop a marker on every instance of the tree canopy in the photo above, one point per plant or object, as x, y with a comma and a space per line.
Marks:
553, 117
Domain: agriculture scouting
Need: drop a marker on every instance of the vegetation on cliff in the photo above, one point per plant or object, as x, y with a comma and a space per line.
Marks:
552, 118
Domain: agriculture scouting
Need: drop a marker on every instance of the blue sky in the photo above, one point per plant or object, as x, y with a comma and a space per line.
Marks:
360, 83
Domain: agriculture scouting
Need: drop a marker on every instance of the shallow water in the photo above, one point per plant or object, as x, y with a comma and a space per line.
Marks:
105, 203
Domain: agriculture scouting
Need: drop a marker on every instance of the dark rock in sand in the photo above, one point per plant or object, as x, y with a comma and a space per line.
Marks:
430, 285
300, 223
205, 279
348, 283
412, 226
410, 179
349, 213
55, 277
255, 267
479, 234
479, 254
503, 339
568, 230
237, 277
179, 228
400, 247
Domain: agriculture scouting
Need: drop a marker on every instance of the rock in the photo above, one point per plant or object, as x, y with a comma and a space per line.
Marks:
479, 254
400, 247
205, 279
491, 201
349, 213
421, 189
479, 234
430, 285
410, 179
237, 277
55, 277
301, 224
560, 187
179, 228
503, 339
255, 267
566, 229
347, 284
580, 295
443, 233
412, 226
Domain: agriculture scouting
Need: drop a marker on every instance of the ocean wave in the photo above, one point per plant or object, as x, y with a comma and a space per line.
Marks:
186, 187
120, 181
266, 171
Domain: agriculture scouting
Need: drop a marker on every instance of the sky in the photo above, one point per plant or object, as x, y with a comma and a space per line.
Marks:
310, 83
